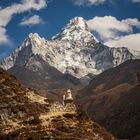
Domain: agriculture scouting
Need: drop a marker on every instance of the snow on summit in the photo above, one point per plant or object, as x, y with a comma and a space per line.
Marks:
76, 30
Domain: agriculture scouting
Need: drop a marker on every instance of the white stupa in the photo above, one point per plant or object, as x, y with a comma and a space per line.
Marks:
67, 97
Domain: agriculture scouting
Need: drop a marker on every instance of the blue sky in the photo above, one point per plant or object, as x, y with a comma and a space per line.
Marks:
114, 22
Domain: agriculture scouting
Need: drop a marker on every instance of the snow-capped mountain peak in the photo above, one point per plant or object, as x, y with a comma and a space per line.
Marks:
76, 30
80, 23
32, 45
74, 50
35, 39
33, 35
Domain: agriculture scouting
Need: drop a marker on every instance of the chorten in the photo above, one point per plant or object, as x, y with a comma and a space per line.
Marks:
67, 97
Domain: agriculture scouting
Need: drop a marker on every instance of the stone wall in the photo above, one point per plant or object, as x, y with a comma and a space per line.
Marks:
58, 107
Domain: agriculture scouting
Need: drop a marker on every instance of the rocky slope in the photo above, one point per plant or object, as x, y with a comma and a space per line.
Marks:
112, 98
74, 51
25, 115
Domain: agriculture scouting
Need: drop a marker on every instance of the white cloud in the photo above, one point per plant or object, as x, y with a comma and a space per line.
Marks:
136, 1
31, 21
109, 27
114, 32
131, 41
97, 2
88, 2
7, 13
3, 35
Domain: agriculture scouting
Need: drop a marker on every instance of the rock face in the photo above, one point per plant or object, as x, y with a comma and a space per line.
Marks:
26, 115
112, 99
74, 50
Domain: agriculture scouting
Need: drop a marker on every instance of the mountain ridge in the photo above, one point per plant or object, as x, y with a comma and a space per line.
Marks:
111, 99
74, 51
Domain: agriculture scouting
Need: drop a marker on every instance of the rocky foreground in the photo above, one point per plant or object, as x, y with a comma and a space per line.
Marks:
24, 115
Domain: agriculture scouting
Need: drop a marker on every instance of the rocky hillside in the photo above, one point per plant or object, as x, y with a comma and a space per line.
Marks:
112, 98
74, 52
25, 115
17, 104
